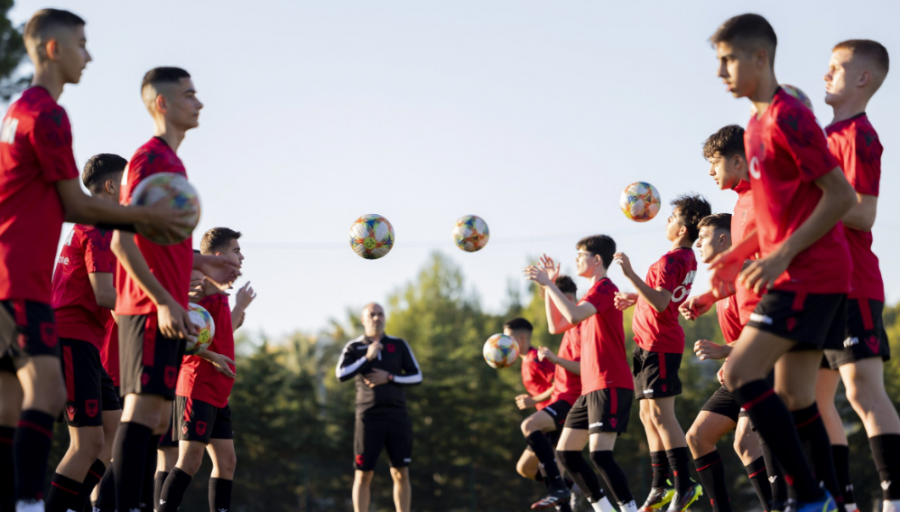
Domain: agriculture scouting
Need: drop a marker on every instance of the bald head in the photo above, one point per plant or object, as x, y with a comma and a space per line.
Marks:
373, 320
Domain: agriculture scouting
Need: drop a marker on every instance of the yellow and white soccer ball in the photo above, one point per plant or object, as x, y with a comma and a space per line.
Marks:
206, 326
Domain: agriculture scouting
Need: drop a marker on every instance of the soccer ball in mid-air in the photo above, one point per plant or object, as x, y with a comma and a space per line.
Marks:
471, 233
178, 193
640, 201
371, 236
798, 93
500, 351
206, 326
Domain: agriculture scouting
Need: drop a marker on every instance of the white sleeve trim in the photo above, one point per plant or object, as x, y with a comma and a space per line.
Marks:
409, 379
341, 372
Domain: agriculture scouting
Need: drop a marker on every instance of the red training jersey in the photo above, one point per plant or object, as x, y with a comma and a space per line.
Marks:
603, 361
170, 264
661, 332
729, 318
78, 316
35, 153
787, 151
198, 378
109, 351
537, 375
854, 143
743, 221
567, 385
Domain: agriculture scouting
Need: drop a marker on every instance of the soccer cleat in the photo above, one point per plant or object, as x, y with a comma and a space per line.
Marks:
556, 497
658, 497
681, 501
826, 504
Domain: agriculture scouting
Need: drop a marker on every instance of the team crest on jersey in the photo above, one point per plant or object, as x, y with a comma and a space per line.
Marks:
390, 347
91, 407
754, 168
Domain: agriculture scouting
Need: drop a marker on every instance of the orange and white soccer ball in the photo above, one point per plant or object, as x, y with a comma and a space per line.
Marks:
500, 351
178, 193
640, 201
471, 233
206, 326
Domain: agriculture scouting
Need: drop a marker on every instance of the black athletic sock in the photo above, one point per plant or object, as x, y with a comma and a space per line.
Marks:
173, 491
660, 464
93, 477
759, 478
106, 499
811, 430
31, 447
678, 461
841, 455
129, 453
158, 483
147, 491
612, 473
773, 422
7, 474
62, 495
581, 473
547, 458
219, 495
712, 476
777, 484
886, 454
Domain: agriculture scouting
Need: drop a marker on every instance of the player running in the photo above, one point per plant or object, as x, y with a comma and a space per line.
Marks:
152, 283
381, 365
856, 71
202, 413
39, 189
800, 194
602, 411
660, 347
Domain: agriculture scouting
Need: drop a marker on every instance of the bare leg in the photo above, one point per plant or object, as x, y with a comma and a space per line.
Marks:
361, 482
402, 489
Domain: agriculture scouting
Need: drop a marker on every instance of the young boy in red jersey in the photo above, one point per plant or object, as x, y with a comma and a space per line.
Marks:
800, 194
538, 461
856, 71
39, 189
83, 295
203, 416
660, 346
602, 411
152, 283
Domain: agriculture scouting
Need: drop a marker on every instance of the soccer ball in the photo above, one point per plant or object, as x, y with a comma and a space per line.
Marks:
201, 318
178, 193
371, 236
500, 351
640, 201
799, 94
471, 233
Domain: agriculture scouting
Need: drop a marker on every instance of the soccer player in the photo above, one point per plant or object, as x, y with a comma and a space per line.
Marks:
152, 284
202, 413
39, 189
857, 69
381, 365
538, 461
602, 411
800, 194
660, 346
83, 295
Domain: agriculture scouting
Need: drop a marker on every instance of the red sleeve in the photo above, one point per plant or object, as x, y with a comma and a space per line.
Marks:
803, 139
866, 173
669, 272
98, 257
52, 141
600, 297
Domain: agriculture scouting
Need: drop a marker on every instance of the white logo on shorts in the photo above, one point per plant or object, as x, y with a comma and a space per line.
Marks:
599, 424
760, 319
849, 342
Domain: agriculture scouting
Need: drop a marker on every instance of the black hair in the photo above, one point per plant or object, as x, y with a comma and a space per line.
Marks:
100, 168
47, 18
692, 209
566, 284
726, 142
748, 32
217, 238
717, 221
599, 245
163, 75
518, 324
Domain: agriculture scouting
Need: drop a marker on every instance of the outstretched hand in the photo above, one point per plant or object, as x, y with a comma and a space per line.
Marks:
537, 274
550, 267
624, 300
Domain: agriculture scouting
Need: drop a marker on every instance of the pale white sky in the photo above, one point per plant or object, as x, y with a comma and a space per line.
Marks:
533, 115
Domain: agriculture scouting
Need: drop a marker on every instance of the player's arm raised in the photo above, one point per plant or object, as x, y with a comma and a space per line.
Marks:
658, 298
571, 312
173, 319
242, 299
571, 366
555, 321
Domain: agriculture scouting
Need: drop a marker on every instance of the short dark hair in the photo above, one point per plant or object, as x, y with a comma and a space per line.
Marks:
100, 168
870, 49
518, 324
566, 284
599, 245
692, 209
747, 32
217, 238
163, 75
47, 18
716, 221
726, 142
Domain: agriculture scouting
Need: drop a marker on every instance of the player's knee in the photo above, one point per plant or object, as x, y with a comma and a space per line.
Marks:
399, 474
363, 477
646, 416
694, 439
863, 396
743, 446
528, 426
658, 416
227, 463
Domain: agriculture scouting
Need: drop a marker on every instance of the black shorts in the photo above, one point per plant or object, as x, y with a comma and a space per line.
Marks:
722, 402
89, 389
170, 438
27, 328
201, 421
813, 321
603, 410
374, 433
558, 410
655, 374
149, 362
864, 336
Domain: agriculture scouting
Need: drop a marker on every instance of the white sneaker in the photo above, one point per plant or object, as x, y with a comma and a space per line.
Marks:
603, 506
30, 506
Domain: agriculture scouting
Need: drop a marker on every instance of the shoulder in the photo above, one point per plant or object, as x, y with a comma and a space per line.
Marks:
352, 343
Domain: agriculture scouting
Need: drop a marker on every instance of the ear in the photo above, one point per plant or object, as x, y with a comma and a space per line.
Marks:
738, 162
865, 78
109, 186
51, 48
682, 230
161, 104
